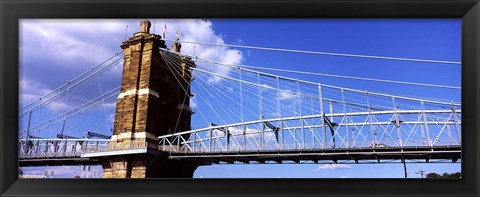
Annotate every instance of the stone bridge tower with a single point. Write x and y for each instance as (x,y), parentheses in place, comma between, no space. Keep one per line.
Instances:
(149,103)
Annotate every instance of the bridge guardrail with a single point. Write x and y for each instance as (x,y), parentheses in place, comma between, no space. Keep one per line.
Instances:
(74,148)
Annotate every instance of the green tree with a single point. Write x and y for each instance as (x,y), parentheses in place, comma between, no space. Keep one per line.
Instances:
(445,175)
(456,175)
(433,175)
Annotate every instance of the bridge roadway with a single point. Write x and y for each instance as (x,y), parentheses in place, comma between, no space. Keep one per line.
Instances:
(341,155)
(92,155)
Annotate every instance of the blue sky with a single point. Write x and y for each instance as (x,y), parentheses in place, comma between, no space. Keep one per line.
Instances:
(66,48)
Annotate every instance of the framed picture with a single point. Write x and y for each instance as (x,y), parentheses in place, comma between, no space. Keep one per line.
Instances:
(341,96)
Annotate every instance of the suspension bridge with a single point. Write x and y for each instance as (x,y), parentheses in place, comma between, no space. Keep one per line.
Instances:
(178,110)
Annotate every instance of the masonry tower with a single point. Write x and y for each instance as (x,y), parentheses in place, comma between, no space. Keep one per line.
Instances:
(153,97)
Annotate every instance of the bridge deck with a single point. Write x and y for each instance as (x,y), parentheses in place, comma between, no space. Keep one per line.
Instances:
(358,155)
(379,155)
(65,161)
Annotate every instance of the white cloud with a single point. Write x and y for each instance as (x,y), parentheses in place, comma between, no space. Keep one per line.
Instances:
(266,86)
(249,131)
(31,90)
(238,137)
(333,167)
(58,106)
(275,114)
(202,31)
(109,105)
(66,170)
(288,94)
(59,171)
(111,118)
(47,45)
(118,67)
(193,103)
(51,47)
(343,176)
(69,41)
(238,41)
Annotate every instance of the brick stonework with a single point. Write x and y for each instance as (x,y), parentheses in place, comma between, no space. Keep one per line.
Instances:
(148,104)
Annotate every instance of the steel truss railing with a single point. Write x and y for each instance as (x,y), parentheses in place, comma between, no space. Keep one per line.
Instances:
(357,130)
(58,148)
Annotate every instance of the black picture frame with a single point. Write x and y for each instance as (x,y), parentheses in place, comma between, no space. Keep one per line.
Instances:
(11,11)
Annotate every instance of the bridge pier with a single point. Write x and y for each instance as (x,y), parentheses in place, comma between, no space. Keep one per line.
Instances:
(146,166)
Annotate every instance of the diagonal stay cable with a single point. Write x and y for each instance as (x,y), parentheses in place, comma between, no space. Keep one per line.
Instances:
(163,57)
(275,89)
(59,94)
(211,107)
(70,81)
(324,85)
(222,104)
(76,110)
(184,97)
(214,88)
(320,52)
(352,77)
